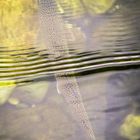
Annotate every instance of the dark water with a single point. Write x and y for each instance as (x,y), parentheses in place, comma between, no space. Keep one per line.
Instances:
(104,57)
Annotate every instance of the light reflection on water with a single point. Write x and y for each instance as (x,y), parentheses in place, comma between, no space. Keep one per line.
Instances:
(105,56)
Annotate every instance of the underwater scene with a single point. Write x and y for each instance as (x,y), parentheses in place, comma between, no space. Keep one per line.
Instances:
(69,70)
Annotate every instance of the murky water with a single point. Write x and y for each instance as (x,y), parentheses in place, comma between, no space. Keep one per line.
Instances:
(78,78)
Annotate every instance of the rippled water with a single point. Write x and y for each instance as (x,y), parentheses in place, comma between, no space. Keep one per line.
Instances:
(88,56)
(93,42)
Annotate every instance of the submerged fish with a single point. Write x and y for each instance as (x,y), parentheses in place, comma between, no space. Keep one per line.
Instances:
(53,36)
(68,87)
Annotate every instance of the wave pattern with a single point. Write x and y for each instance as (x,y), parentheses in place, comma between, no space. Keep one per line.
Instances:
(113,43)
(36,65)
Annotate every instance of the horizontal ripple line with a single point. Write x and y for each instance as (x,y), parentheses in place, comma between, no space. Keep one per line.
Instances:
(85,61)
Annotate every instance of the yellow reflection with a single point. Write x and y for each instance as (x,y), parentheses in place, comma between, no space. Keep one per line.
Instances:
(7,83)
(98,6)
(69,7)
(78,7)
(17,26)
(13,101)
(6,88)
(18,30)
(131,126)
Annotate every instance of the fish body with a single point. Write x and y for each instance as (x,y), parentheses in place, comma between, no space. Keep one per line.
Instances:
(53,32)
